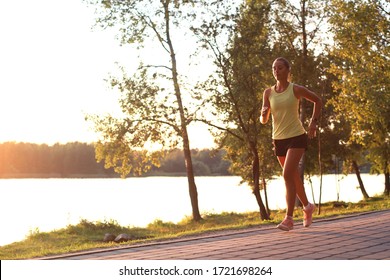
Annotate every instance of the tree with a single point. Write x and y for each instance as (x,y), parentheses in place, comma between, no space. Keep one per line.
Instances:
(299,34)
(152,101)
(298,31)
(237,40)
(363,54)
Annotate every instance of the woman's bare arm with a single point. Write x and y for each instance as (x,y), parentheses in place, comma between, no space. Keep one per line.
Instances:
(266,108)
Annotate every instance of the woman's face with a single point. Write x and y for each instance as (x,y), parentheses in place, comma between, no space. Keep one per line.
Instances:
(280,70)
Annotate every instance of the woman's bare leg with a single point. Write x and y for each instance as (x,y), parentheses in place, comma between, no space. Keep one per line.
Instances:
(300,189)
(294,185)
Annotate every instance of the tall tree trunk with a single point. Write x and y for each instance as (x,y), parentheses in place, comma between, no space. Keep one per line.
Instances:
(303,79)
(320,169)
(266,196)
(183,121)
(387,180)
(361,185)
(256,180)
(191,180)
(301,168)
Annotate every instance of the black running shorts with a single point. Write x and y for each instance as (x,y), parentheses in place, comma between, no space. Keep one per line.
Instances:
(281,146)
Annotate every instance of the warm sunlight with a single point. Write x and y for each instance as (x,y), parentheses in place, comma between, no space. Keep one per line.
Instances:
(52,71)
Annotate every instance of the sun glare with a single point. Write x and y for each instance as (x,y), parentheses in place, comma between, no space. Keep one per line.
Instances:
(53,72)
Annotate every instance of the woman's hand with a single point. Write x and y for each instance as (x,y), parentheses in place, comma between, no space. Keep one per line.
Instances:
(264,111)
(302,92)
(264,114)
(312,129)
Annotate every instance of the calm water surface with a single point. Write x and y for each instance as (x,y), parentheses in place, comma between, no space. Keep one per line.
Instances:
(48,204)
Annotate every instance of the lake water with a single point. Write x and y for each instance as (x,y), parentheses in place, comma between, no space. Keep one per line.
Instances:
(48,204)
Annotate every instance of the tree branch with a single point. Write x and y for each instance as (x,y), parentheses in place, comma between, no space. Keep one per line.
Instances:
(175,127)
(156,66)
(149,22)
(220,128)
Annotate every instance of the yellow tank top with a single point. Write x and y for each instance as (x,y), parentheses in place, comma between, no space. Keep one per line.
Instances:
(285,115)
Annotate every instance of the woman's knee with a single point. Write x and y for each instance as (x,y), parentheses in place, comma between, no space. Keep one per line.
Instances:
(289,175)
(290,172)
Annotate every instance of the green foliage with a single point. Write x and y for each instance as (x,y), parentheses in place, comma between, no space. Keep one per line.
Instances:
(301,35)
(155,112)
(206,162)
(237,85)
(298,34)
(148,120)
(361,54)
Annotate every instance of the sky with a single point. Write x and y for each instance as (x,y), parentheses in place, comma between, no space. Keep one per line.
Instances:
(53,67)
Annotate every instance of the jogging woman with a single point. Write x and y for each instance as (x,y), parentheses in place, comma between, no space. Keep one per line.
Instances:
(289,136)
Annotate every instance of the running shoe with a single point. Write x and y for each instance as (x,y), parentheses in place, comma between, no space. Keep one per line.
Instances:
(287,224)
(308,214)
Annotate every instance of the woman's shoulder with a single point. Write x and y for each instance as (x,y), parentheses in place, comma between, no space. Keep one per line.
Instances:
(298,89)
(303,92)
(268,91)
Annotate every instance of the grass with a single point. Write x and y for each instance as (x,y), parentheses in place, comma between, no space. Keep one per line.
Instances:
(89,235)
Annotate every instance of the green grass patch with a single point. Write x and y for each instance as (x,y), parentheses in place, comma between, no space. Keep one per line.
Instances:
(89,235)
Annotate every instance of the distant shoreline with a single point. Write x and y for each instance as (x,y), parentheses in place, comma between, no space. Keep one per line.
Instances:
(114,176)
(95,176)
